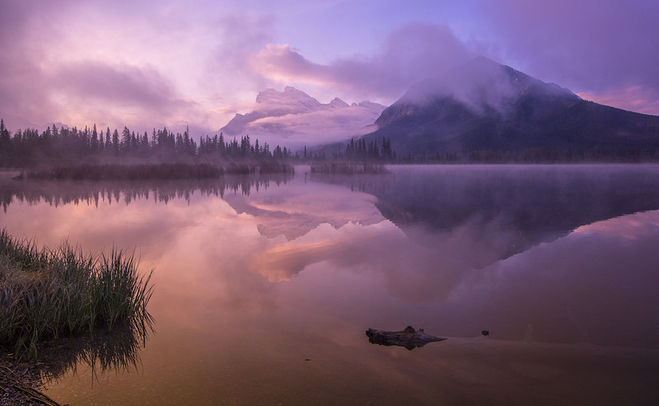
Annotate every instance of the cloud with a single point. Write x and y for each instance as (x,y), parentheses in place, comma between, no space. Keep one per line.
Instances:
(295,119)
(21,83)
(207,60)
(410,54)
(69,62)
(602,49)
(123,94)
(47,78)
(316,127)
(297,130)
(124,85)
(590,46)
(238,38)
(634,98)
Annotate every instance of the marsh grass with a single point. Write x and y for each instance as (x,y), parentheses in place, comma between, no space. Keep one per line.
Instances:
(47,294)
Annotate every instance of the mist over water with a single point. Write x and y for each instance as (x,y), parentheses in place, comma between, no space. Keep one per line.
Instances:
(257,276)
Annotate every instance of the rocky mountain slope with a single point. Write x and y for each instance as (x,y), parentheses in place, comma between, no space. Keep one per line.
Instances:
(484,109)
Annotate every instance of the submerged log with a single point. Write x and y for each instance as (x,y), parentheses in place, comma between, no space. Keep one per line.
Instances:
(408,338)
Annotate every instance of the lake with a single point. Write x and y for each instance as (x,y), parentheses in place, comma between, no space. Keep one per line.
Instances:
(264,287)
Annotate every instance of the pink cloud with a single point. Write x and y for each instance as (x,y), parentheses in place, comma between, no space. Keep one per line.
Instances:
(635,98)
(143,88)
(71,62)
(409,54)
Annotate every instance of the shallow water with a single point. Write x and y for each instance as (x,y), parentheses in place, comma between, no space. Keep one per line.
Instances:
(264,288)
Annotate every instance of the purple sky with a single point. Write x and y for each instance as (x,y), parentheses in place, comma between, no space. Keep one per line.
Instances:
(154,63)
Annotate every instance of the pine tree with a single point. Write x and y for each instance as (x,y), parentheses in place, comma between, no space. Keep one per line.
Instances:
(4,133)
(94,140)
(115,141)
(108,142)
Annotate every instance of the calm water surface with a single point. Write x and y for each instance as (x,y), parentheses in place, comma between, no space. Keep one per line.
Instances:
(264,287)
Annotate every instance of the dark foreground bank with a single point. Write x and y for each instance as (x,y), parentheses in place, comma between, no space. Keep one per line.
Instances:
(48,297)
(46,294)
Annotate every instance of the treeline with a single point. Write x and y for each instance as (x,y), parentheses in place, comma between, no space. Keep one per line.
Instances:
(26,148)
(362,150)
(358,150)
(67,146)
(537,155)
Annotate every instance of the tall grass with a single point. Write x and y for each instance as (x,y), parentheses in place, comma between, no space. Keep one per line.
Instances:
(48,294)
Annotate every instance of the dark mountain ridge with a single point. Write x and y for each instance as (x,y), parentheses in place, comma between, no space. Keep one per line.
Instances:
(483,109)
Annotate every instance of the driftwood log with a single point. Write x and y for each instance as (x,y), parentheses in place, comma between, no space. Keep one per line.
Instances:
(408,338)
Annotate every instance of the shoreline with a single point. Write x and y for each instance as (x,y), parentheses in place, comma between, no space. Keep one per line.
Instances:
(21,383)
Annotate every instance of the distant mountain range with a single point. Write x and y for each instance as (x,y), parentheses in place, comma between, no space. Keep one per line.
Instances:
(483,109)
(293,118)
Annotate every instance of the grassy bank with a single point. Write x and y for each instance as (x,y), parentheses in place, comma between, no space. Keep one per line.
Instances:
(47,294)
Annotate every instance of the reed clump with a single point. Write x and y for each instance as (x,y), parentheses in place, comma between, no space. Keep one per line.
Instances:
(47,294)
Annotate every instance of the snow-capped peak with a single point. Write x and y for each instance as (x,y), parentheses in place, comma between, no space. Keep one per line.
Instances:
(338,103)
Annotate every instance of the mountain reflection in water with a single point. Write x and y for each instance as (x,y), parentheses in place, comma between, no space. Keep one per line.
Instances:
(249,281)
(528,204)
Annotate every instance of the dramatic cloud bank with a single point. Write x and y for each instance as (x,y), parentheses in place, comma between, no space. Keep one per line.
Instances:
(410,54)
(603,50)
(155,63)
(139,64)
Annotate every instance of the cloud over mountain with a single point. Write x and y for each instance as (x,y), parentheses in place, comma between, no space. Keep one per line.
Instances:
(207,59)
(483,108)
(293,118)
(411,53)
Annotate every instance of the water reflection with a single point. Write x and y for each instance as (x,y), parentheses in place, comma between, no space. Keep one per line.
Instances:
(466,239)
(58,193)
(248,286)
(523,205)
(116,350)
(542,253)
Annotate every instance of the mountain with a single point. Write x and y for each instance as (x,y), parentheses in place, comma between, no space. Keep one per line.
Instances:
(293,118)
(483,109)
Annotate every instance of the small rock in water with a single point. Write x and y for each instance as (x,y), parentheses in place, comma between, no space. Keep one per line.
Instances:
(307,359)
(485,332)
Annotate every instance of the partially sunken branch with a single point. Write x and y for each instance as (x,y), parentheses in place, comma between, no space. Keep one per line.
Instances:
(408,338)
